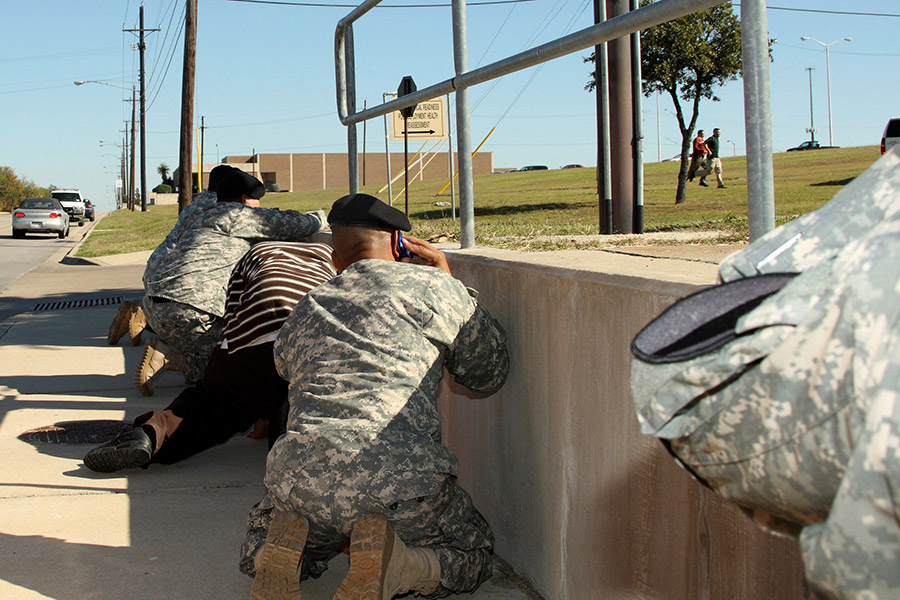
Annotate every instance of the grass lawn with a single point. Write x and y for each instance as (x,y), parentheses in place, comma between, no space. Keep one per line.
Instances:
(540,210)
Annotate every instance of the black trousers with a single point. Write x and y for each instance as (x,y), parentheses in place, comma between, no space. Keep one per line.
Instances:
(236,390)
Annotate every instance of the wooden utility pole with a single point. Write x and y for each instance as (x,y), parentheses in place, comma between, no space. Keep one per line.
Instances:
(141,47)
(131,178)
(185,187)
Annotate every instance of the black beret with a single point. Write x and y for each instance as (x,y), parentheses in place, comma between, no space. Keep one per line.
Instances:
(216,175)
(363,210)
(237,183)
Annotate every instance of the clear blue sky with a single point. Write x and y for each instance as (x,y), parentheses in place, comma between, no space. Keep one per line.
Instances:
(265,81)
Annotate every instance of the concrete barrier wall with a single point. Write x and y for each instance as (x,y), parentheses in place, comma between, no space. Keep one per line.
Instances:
(581,503)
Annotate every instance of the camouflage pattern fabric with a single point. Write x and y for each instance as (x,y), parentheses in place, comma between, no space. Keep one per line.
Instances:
(364,354)
(194,262)
(192,332)
(797,420)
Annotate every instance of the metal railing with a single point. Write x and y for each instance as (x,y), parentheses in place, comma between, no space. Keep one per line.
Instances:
(756,91)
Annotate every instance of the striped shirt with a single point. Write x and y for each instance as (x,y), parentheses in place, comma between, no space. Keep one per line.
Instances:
(266,285)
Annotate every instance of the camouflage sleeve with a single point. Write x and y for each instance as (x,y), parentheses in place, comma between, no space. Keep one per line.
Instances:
(478,358)
(274,224)
(855,553)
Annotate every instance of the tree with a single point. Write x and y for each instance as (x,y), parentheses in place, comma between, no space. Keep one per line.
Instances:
(163,170)
(688,58)
(12,190)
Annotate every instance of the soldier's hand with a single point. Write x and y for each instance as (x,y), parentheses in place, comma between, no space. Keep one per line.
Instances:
(425,253)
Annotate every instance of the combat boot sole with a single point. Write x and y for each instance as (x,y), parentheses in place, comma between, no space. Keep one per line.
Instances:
(371,546)
(129,450)
(278,572)
(136,324)
(119,325)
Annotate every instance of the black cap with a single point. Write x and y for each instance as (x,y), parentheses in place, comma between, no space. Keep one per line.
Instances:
(237,183)
(217,175)
(363,210)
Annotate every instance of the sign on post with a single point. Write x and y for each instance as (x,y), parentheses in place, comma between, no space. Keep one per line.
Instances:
(427,122)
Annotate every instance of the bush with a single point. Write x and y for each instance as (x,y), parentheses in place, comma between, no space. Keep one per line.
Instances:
(274,187)
(163,188)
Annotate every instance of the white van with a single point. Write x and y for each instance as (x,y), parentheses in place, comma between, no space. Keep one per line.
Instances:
(891,134)
(72,202)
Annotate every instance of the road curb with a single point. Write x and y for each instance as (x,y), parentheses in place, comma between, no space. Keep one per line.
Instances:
(71,259)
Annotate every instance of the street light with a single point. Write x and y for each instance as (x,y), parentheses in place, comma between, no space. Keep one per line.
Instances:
(733,147)
(827,77)
(122,87)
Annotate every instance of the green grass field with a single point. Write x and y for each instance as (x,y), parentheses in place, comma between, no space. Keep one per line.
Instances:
(541,210)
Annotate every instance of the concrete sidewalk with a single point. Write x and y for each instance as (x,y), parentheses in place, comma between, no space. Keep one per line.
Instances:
(71,534)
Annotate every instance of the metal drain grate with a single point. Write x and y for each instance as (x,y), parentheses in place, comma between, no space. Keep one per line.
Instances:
(76,432)
(86,303)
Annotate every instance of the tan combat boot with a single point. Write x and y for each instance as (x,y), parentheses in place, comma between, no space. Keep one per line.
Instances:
(278,563)
(136,324)
(119,325)
(381,566)
(158,357)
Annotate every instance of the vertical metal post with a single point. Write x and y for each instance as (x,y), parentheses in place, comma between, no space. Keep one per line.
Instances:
(812,127)
(352,156)
(463,130)
(604,168)
(828,84)
(387,152)
(757,118)
(450,171)
(637,94)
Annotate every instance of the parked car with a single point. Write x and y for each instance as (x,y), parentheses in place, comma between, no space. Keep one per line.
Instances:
(811,145)
(534,168)
(40,215)
(88,210)
(72,202)
(891,134)
(572,166)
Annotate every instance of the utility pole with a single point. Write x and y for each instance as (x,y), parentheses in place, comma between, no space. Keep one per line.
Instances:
(187,105)
(141,48)
(131,178)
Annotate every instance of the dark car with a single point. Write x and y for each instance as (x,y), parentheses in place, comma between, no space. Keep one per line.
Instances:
(572,166)
(891,135)
(88,210)
(40,215)
(534,168)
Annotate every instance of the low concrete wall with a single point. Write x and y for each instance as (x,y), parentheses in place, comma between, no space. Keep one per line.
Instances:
(581,503)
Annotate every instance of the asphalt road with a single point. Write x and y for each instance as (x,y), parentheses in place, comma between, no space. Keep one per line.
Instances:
(22,255)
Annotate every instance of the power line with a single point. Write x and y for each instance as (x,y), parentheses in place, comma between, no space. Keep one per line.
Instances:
(828,12)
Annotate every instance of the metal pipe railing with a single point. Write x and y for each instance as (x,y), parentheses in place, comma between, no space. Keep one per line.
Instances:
(756,89)
(757,118)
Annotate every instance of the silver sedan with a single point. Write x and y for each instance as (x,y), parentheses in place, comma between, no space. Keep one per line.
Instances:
(40,215)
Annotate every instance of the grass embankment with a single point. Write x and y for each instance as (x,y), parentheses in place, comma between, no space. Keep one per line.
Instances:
(543,209)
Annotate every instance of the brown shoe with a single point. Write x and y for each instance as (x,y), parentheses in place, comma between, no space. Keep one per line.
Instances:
(158,357)
(278,563)
(119,325)
(381,566)
(136,324)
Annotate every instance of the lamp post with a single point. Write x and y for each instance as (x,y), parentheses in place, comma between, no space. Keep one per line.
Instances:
(812,128)
(827,77)
(733,147)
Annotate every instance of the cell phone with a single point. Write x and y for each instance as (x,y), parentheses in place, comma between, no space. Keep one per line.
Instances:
(401,248)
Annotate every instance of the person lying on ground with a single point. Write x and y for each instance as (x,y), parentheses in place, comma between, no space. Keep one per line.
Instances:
(240,385)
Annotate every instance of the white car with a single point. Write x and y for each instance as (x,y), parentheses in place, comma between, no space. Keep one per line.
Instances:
(73,203)
(891,134)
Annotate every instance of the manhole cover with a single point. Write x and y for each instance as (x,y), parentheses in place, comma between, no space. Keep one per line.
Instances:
(76,432)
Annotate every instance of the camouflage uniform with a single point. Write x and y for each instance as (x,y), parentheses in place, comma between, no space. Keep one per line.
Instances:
(363,355)
(797,419)
(186,276)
